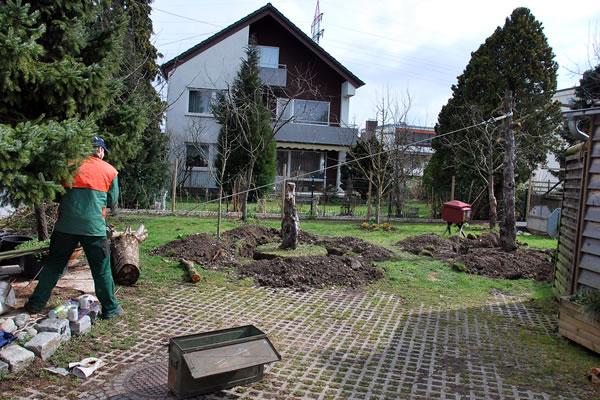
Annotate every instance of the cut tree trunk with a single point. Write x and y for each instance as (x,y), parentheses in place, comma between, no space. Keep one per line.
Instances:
(290,226)
(508,230)
(41,223)
(125,255)
(191,269)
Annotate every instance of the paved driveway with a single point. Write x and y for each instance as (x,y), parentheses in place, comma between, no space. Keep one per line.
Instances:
(341,344)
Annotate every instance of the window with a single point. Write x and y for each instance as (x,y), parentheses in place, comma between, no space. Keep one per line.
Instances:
(304,111)
(200,100)
(196,155)
(268,57)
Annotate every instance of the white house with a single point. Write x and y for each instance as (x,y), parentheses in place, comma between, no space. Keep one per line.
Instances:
(311,145)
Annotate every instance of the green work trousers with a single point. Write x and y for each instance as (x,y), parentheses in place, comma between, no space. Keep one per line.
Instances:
(97,252)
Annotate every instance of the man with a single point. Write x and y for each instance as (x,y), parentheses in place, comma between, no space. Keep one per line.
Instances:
(81,218)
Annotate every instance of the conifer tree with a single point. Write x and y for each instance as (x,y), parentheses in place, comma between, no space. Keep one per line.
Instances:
(132,122)
(55,79)
(516,57)
(245,119)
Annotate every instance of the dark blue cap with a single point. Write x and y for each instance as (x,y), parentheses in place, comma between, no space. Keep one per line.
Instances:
(99,142)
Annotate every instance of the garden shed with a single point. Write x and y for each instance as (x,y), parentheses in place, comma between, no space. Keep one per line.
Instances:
(578,264)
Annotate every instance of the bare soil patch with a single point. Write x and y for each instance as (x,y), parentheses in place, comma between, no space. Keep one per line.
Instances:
(482,255)
(348,261)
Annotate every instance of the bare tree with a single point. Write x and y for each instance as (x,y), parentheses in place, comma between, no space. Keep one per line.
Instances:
(484,146)
(379,152)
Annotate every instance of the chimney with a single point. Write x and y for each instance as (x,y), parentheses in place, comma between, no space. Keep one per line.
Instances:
(370,127)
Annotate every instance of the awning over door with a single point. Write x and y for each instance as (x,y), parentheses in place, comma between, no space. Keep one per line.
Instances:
(310,146)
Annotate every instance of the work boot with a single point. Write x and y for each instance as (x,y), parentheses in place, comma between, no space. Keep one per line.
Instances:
(115,314)
(30,309)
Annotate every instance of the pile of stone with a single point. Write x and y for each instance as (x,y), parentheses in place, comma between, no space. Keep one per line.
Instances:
(40,337)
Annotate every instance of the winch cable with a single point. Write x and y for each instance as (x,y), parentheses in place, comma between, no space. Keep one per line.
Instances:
(488,121)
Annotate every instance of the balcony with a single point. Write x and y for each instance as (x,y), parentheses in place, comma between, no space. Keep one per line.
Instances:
(273,76)
(323,137)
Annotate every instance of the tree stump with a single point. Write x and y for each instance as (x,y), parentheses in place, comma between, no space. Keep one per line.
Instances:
(291,223)
(125,255)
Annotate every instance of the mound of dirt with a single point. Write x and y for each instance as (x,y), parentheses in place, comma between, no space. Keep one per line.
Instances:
(482,255)
(201,248)
(248,237)
(346,245)
(348,260)
(315,272)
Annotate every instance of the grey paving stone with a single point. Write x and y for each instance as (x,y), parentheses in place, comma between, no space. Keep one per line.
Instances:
(17,357)
(82,326)
(44,344)
(58,325)
(3,367)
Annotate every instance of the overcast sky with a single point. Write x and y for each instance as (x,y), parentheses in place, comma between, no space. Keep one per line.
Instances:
(419,46)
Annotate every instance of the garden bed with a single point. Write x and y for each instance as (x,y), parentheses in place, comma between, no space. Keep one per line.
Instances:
(574,324)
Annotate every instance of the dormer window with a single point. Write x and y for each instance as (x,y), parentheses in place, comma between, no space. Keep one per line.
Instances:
(268,56)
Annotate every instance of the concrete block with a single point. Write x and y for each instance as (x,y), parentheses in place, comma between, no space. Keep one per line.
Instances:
(57,325)
(3,368)
(82,326)
(21,319)
(44,344)
(17,357)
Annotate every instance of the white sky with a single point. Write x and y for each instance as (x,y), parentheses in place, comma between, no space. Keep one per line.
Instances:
(419,46)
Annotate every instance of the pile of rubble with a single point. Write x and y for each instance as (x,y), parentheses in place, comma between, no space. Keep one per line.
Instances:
(23,338)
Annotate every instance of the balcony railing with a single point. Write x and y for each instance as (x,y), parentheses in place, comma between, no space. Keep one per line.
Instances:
(273,76)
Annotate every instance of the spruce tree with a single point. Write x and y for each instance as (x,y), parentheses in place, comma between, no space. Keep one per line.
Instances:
(516,57)
(245,119)
(56,67)
(132,122)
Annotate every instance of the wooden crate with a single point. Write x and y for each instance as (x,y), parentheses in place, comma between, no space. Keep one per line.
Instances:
(575,325)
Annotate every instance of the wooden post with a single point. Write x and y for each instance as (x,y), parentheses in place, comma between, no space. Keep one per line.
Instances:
(528,200)
(174,187)
(283,184)
(369,209)
(452,190)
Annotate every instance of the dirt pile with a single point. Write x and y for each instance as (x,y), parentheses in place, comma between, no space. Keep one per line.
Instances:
(482,255)
(316,272)
(203,249)
(348,262)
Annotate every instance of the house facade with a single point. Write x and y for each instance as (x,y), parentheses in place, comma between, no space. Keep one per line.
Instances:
(309,97)
(411,143)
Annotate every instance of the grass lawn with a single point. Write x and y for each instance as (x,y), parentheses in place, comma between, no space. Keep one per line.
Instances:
(420,282)
(418,279)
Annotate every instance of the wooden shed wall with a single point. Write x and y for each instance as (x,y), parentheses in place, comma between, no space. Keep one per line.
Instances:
(588,271)
(578,264)
(567,236)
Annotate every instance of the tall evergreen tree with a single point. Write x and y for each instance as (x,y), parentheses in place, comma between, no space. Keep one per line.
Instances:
(516,57)
(588,91)
(245,119)
(55,79)
(132,122)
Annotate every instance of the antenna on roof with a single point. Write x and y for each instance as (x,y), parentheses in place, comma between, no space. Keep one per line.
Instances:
(315,28)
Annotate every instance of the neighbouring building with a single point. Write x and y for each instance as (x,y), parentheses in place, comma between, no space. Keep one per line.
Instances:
(545,175)
(311,88)
(411,143)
